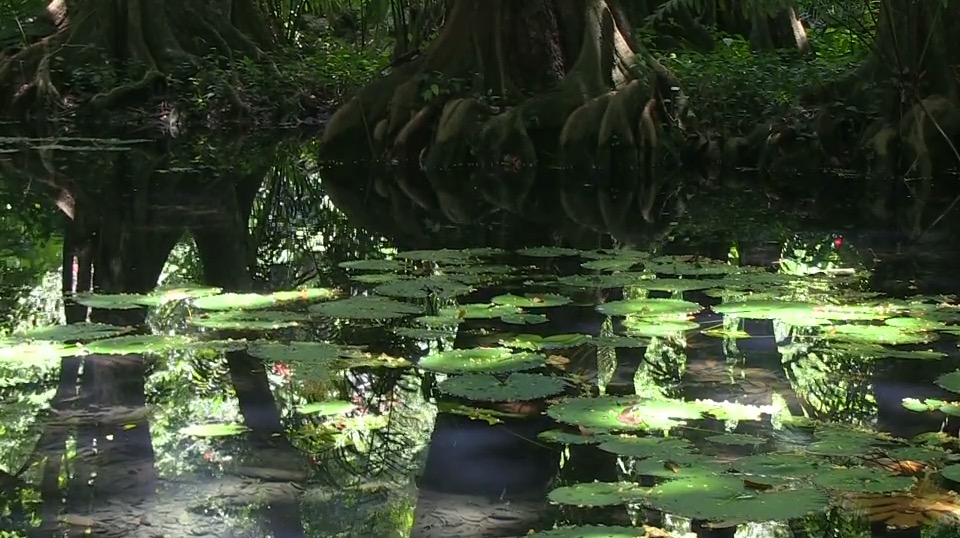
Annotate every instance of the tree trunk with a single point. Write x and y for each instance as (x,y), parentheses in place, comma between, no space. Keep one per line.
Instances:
(511,84)
(136,43)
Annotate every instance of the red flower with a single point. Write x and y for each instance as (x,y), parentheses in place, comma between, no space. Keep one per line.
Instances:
(838,242)
(282,370)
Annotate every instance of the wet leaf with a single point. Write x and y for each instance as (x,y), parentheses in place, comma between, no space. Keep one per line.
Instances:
(516,387)
(598,494)
(365,308)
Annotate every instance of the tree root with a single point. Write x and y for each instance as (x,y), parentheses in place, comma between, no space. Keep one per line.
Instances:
(153,45)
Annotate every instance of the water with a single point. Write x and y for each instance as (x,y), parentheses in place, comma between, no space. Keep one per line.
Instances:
(309,422)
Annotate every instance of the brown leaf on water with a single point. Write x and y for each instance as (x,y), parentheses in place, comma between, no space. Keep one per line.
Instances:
(905,511)
(759,486)
(903,467)
(671,466)
(558,361)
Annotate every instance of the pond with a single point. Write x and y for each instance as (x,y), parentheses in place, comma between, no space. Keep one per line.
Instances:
(224,337)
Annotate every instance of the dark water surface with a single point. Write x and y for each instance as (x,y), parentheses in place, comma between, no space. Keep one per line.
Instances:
(304,416)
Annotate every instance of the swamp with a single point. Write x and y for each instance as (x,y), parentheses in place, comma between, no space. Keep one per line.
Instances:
(480,268)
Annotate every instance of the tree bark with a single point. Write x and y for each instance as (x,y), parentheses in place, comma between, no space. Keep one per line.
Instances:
(512,84)
(138,43)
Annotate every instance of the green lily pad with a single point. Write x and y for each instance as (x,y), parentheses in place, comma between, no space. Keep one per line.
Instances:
(306,294)
(301,351)
(651,327)
(590,531)
(214,430)
(950,381)
(561,437)
(235,301)
(610,264)
(649,308)
(517,387)
(951,472)
(863,480)
(646,447)
(447,256)
(241,320)
(128,345)
(797,310)
(726,499)
(425,333)
(36,353)
(537,342)
(918,453)
(480,360)
(75,332)
(916,324)
(373,265)
(548,252)
(780,464)
(524,319)
(546,300)
(420,288)
(478,311)
(610,413)
(598,494)
(878,351)
(737,439)
(170,294)
(365,308)
(678,284)
(327,409)
(378,278)
(604,281)
(876,334)
(110,301)
(844,443)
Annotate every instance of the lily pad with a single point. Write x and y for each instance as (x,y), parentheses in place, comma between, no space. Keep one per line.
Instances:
(109,301)
(214,430)
(480,360)
(844,443)
(516,387)
(169,294)
(446,256)
(863,480)
(610,264)
(568,438)
(727,499)
(646,447)
(797,310)
(951,472)
(365,308)
(537,342)
(235,301)
(652,327)
(590,531)
(598,494)
(612,413)
(737,439)
(301,351)
(373,265)
(421,288)
(780,464)
(546,300)
(425,333)
(950,381)
(916,324)
(478,311)
(604,281)
(524,319)
(649,308)
(877,334)
(327,409)
(36,353)
(548,252)
(128,345)
(240,320)
(74,332)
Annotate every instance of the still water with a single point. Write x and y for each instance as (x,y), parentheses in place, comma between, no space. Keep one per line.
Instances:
(223,337)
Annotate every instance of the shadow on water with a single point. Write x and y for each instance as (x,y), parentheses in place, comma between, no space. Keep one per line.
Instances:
(129,411)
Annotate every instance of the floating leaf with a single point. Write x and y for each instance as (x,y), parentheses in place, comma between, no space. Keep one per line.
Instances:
(609,413)
(486,360)
(646,447)
(649,308)
(548,252)
(75,332)
(736,439)
(591,531)
(568,438)
(727,499)
(214,430)
(241,320)
(605,281)
(863,480)
(547,300)
(610,264)
(780,464)
(327,409)
(844,443)
(516,387)
(128,345)
(107,301)
(421,288)
(651,327)
(598,494)
(876,334)
(478,311)
(39,353)
(374,265)
(447,256)
(165,295)
(798,311)
(524,319)
(365,308)
(537,342)
(423,333)
(235,301)
(950,381)
(301,352)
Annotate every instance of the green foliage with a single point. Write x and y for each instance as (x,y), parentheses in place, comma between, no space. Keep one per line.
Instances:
(736,88)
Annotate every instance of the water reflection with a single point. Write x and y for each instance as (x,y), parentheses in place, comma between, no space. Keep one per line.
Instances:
(117,216)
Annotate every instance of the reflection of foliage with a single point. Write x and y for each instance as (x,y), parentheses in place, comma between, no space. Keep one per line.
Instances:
(294,222)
